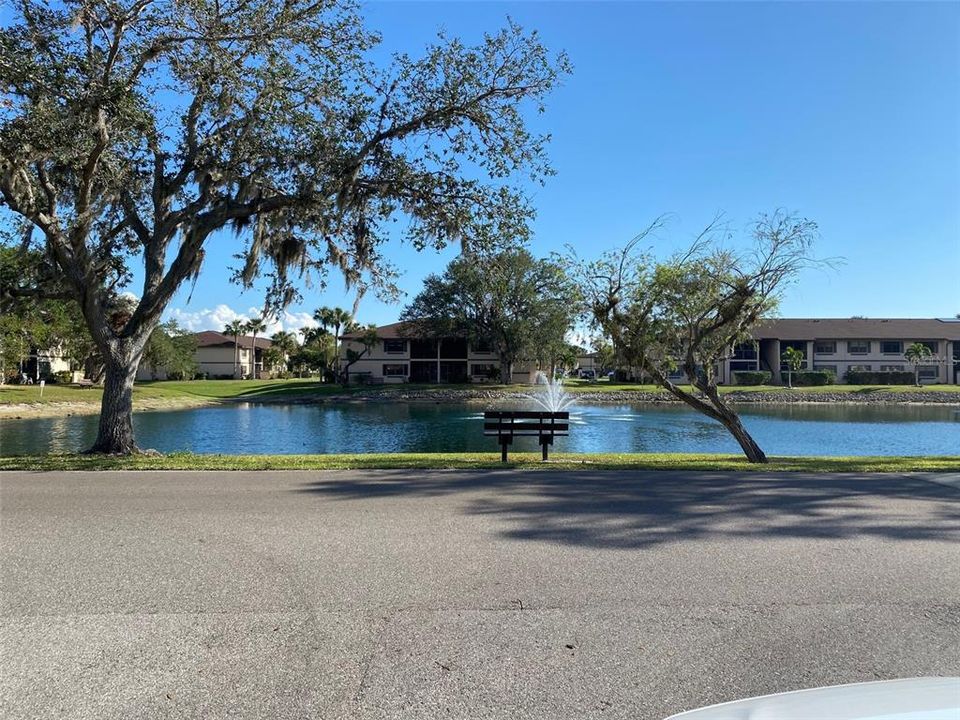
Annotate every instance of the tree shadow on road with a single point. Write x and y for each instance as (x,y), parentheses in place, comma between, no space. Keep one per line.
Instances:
(641,509)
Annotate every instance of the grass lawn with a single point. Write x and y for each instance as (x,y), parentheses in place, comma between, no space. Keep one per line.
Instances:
(479,461)
(604,386)
(172,389)
(310,387)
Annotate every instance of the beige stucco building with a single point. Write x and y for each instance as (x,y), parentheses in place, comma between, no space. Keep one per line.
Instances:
(215,357)
(398,357)
(841,345)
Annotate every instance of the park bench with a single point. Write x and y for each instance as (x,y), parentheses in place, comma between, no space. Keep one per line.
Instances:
(542,424)
(85,383)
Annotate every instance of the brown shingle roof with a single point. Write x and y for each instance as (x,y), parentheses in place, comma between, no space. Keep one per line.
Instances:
(807,329)
(393,330)
(209,338)
(857,328)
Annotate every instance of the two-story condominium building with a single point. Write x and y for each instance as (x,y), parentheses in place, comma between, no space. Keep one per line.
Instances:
(841,345)
(398,356)
(220,356)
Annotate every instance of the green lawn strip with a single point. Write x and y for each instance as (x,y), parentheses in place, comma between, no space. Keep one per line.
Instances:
(578,386)
(172,390)
(479,461)
(266,390)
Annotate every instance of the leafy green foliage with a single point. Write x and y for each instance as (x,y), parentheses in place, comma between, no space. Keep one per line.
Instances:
(367,336)
(793,359)
(688,311)
(880,377)
(751,377)
(806,378)
(132,131)
(30,320)
(171,350)
(917,354)
(131,127)
(519,304)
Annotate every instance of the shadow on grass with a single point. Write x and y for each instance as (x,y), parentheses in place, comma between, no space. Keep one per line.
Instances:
(308,390)
(637,510)
(290,391)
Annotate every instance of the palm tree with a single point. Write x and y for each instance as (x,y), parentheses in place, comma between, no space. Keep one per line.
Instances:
(235,329)
(254,326)
(915,355)
(338,319)
(324,317)
(794,361)
(285,343)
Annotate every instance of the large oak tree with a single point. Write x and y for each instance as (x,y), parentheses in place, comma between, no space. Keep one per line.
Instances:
(133,131)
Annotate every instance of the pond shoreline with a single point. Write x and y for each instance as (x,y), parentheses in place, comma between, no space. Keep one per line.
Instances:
(764,397)
(479,396)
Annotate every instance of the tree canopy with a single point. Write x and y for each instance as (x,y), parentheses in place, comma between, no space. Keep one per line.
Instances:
(133,131)
(514,301)
(687,312)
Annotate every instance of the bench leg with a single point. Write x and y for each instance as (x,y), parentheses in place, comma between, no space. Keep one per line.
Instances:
(545,442)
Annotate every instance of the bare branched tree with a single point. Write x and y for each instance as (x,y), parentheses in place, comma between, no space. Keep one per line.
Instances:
(689,311)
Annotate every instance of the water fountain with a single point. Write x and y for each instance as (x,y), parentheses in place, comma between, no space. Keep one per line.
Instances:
(552,397)
(551,420)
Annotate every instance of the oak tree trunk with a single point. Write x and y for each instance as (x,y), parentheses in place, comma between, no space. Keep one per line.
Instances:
(506,370)
(115,431)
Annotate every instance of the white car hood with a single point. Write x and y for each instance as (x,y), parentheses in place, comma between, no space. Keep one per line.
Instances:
(933,698)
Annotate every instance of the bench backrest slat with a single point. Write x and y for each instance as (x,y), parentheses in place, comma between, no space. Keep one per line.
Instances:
(508,424)
(534,426)
(526,415)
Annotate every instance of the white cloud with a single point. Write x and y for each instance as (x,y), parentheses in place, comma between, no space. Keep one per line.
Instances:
(218,317)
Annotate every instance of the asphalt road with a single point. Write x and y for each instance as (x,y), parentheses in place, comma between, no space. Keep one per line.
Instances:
(464,595)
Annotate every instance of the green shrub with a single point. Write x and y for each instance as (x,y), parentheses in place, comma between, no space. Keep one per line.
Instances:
(873,377)
(814,377)
(63,377)
(751,377)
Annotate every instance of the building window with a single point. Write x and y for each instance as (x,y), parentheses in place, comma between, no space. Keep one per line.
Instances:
(932,344)
(825,347)
(487,370)
(929,372)
(826,368)
(744,351)
(482,346)
(858,347)
(891,347)
(891,368)
(861,368)
(398,370)
(394,346)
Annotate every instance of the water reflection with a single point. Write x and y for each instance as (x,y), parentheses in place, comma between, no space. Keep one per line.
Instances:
(427,427)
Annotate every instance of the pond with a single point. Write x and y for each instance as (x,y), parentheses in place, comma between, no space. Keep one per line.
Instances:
(426,427)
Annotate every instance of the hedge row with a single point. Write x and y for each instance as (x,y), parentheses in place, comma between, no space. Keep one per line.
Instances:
(814,377)
(800,377)
(873,377)
(751,377)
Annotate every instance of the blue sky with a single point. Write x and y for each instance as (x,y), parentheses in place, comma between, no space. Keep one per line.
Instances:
(846,113)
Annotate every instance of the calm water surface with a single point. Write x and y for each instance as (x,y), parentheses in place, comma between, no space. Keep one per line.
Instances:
(423,427)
